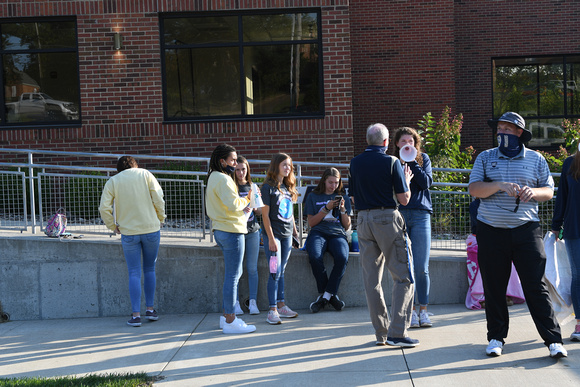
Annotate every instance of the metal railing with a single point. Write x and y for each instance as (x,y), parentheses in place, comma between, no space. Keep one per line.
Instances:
(31,191)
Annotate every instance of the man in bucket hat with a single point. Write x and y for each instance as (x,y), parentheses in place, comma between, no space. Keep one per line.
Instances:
(510,180)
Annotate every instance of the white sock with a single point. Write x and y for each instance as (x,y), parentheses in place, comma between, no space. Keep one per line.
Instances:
(327,296)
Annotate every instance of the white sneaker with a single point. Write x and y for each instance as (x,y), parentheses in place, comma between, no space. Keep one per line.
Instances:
(424,320)
(254,307)
(222,321)
(414,320)
(239,310)
(494,348)
(273,317)
(238,326)
(557,350)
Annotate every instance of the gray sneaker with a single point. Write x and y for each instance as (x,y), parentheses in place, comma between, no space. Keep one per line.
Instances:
(285,311)
(414,320)
(273,318)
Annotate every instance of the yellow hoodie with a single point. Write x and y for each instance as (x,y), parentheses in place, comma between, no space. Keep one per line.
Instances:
(224,205)
(138,201)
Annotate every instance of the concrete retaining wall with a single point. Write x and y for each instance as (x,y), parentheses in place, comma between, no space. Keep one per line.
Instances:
(43,278)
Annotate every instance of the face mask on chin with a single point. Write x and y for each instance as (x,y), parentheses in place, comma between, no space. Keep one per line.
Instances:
(229,169)
(509,144)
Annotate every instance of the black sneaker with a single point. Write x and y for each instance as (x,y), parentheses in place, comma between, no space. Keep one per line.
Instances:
(402,342)
(134,322)
(151,315)
(318,305)
(336,302)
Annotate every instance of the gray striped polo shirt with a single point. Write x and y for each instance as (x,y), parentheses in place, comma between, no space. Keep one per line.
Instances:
(527,168)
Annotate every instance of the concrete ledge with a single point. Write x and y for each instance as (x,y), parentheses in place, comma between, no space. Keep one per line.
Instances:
(43,278)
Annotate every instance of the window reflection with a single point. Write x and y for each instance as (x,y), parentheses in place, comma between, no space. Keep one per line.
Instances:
(39,87)
(272,69)
(543,90)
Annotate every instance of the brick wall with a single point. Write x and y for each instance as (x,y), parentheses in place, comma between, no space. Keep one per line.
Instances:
(384,61)
(486,29)
(412,57)
(121,92)
(403,62)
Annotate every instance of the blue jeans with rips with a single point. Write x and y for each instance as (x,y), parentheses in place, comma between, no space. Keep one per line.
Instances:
(232,245)
(276,284)
(418,224)
(316,245)
(135,246)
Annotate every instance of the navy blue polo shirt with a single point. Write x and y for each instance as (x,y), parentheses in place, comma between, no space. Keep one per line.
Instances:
(371,183)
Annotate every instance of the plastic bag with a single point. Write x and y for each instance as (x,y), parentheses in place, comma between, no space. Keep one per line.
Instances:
(558,277)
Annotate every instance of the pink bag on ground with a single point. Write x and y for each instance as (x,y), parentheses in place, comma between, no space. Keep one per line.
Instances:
(475,290)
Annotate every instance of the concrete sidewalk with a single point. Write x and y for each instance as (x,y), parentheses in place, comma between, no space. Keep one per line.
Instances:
(329,348)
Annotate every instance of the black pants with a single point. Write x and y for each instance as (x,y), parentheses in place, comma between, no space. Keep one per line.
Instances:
(497,248)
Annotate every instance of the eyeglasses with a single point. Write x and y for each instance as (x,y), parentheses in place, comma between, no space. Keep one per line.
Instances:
(515,209)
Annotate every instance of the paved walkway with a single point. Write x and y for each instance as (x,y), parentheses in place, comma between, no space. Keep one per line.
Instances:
(327,348)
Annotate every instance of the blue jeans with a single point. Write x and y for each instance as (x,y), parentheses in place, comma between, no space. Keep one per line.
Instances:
(133,247)
(316,244)
(573,249)
(252,253)
(419,229)
(276,285)
(232,245)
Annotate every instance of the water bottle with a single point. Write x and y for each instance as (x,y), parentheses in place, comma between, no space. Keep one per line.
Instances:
(273,264)
(354,242)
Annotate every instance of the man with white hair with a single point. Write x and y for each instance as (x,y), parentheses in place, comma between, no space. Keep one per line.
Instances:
(378,183)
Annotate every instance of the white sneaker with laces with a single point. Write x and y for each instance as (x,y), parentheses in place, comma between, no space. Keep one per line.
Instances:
(424,320)
(414,320)
(222,321)
(238,326)
(254,307)
(239,310)
(557,350)
(494,348)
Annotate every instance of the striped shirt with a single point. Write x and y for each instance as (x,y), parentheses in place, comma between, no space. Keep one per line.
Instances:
(527,168)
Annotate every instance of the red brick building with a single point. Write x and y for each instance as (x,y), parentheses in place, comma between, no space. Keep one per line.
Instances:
(351,63)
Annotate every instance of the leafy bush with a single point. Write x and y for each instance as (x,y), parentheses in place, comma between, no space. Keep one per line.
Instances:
(442,142)
(572,139)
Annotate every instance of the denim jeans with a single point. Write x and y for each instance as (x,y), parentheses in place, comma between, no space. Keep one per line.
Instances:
(134,246)
(419,229)
(232,245)
(252,253)
(316,245)
(573,249)
(276,285)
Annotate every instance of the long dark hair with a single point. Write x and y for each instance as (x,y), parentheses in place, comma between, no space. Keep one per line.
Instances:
(274,171)
(575,166)
(416,138)
(321,187)
(242,160)
(220,152)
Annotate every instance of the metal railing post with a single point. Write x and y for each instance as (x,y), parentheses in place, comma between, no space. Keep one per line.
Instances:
(300,214)
(31,178)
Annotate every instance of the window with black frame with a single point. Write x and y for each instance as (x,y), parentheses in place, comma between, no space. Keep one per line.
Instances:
(39,72)
(241,65)
(544,90)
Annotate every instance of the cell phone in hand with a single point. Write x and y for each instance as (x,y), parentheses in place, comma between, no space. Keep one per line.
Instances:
(338,197)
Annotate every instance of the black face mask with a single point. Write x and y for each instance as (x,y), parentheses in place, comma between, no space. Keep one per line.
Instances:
(229,169)
(509,144)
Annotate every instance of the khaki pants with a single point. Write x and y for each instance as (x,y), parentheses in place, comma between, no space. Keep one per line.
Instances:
(382,242)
